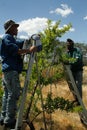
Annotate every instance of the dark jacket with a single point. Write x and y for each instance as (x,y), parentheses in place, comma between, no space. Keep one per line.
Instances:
(11,60)
(78,64)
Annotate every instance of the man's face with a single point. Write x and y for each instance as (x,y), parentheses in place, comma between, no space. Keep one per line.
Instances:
(14,30)
(69,45)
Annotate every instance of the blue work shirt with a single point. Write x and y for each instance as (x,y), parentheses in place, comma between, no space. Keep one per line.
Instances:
(11,60)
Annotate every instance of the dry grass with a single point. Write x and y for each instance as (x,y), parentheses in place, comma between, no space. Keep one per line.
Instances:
(61,120)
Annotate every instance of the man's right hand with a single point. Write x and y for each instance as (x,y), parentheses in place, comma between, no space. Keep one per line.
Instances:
(32,49)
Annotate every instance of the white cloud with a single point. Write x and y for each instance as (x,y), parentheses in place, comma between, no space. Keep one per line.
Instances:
(85,18)
(32,26)
(23,37)
(64,11)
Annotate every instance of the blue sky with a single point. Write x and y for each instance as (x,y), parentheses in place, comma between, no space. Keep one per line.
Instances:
(33,14)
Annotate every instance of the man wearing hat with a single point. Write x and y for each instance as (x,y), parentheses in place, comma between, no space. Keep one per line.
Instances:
(76,66)
(11,50)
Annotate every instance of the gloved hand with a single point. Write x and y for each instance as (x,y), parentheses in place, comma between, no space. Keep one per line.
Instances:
(39,48)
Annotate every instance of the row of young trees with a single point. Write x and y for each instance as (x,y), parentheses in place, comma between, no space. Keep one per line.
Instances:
(47,71)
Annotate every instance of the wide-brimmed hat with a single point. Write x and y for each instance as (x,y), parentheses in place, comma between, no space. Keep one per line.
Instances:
(8,24)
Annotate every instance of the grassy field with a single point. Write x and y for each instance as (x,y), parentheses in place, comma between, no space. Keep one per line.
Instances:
(61,120)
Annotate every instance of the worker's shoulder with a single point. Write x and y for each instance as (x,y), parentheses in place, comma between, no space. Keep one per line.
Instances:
(77,49)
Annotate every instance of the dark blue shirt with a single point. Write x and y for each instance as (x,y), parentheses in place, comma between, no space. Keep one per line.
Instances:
(11,60)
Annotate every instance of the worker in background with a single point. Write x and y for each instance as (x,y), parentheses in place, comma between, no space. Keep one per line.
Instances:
(76,66)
